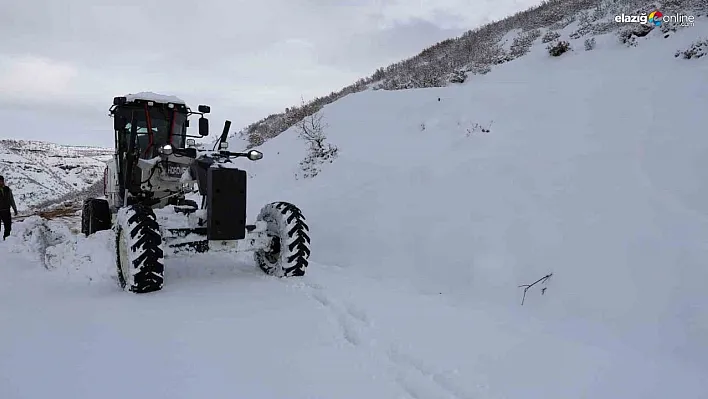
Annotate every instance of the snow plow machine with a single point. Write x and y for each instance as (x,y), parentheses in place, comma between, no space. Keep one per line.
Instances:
(147,188)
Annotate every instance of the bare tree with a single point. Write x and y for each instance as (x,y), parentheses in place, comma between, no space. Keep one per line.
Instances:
(312,130)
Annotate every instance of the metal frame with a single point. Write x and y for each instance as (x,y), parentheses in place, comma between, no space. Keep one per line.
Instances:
(257,238)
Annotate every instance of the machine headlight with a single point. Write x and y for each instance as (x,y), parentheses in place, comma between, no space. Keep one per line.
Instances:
(166,149)
(255,155)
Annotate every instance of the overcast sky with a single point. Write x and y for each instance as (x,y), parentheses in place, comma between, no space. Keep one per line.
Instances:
(63,61)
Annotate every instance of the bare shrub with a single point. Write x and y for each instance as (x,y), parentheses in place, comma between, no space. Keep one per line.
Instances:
(697,50)
(558,48)
(319,151)
(550,36)
(589,44)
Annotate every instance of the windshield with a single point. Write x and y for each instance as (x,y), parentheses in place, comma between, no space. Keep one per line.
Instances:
(159,124)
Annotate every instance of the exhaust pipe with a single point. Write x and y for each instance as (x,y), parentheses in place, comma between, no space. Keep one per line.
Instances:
(227,126)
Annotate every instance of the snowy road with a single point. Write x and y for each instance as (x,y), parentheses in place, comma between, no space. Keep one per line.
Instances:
(222,329)
(224,332)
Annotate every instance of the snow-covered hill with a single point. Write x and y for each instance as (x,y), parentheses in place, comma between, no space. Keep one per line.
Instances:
(40,171)
(440,203)
(483,49)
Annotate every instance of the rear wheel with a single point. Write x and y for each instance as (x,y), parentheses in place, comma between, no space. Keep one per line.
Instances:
(288,255)
(95,216)
(139,253)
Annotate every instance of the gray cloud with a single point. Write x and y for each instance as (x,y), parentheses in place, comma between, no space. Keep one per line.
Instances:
(61,62)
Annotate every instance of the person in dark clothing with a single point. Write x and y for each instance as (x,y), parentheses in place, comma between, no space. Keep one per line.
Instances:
(7,201)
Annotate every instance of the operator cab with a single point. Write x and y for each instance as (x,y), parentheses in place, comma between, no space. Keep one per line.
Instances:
(154,121)
(159,120)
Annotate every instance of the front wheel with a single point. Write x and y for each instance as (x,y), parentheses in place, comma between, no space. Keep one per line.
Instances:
(139,253)
(290,249)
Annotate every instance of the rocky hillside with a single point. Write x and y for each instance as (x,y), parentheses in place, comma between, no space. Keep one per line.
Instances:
(39,171)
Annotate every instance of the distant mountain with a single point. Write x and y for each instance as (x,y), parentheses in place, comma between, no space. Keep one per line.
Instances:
(39,171)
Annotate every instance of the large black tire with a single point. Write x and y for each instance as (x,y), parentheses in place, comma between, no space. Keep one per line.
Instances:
(289,253)
(95,216)
(139,252)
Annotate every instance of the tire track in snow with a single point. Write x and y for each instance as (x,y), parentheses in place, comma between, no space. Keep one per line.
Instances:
(349,331)
(404,360)
(413,376)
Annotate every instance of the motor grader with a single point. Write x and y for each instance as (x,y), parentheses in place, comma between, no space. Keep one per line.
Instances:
(162,190)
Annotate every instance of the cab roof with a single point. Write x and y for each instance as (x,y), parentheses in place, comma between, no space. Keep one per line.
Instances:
(150,96)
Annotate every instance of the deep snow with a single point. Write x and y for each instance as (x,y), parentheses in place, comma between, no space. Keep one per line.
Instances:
(422,230)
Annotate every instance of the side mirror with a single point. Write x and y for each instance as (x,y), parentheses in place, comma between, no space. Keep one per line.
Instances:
(203,127)
(223,145)
(255,155)
(204,109)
